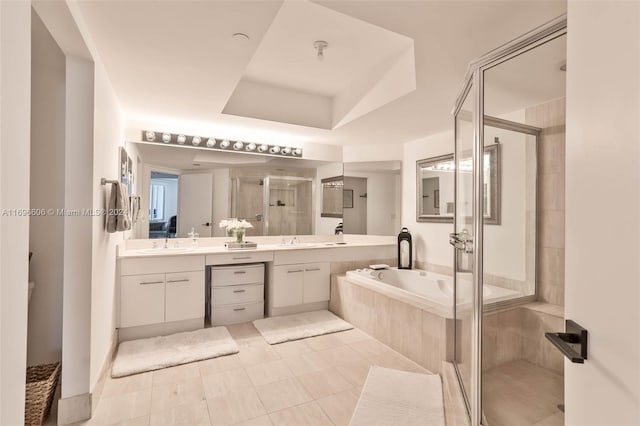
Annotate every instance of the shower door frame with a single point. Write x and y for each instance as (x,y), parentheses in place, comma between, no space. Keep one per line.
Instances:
(266,195)
(473,85)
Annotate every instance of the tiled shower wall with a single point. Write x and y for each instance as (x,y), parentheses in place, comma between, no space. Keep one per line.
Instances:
(550,116)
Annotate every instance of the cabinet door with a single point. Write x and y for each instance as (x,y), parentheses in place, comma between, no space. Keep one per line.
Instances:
(316,282)
(141,300)
(288,285)
(185,296)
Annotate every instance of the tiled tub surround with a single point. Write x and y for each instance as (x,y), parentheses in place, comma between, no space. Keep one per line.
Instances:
(427,338)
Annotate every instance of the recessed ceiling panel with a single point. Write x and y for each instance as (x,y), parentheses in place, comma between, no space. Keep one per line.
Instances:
(362,67)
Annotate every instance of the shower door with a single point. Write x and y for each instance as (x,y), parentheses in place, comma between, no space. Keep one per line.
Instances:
(288,205)
(464,239)
(247,202)
(475,273)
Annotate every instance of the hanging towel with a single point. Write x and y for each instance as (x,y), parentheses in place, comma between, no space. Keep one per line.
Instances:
(135,209)
(118,214)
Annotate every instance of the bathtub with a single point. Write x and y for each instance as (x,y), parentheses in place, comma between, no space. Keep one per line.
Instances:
(427,290)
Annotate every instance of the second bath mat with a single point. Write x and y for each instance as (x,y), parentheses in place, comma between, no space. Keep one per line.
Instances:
(299,326)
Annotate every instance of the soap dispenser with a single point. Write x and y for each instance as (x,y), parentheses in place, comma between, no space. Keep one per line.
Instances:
(194,237)
(405,250)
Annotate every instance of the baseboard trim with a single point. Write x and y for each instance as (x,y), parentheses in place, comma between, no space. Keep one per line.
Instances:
(96,392)
(74,409)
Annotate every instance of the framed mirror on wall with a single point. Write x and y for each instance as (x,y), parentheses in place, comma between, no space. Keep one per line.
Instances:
(435,179)
(332,196)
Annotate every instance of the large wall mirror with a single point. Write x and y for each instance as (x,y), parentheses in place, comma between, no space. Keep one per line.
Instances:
(435,186)
(372,197)
(182,189)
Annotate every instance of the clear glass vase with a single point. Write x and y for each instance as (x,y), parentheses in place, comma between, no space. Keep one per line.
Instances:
(240,235)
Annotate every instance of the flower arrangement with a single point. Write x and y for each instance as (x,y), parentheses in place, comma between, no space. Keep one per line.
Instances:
(237,227)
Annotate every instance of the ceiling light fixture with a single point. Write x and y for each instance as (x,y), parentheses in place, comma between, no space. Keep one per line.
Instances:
(320,45)
(213,144)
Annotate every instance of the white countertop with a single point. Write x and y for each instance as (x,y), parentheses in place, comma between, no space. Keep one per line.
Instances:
(206,246)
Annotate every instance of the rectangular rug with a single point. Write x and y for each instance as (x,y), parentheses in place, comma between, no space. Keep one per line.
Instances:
(299,326)
(393,397)
(138,356)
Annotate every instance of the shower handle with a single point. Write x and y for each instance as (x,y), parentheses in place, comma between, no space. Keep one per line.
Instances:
(462,241)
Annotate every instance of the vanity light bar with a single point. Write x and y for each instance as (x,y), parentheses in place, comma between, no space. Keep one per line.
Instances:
(163,138)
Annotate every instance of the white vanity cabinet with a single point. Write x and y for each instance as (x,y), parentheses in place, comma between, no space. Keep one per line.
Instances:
(299,281)
(298,284)
(141,300)
(160,295)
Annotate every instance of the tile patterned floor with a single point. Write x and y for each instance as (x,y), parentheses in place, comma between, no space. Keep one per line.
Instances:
(315,381)
(522,394)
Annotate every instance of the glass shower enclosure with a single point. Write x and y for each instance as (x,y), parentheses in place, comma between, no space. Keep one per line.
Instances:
(495,221)
(274,205)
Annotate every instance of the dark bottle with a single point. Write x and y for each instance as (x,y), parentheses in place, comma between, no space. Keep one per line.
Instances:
(405,249)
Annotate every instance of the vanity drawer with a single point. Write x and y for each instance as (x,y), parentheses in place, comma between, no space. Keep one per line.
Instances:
(234,275)
(160,264)
(233,295)
(239,257)
(235,314)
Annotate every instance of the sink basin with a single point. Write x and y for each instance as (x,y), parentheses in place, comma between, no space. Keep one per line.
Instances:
(298,245)
(173,250)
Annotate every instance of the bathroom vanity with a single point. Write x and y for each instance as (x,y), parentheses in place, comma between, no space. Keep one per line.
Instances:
(162,291)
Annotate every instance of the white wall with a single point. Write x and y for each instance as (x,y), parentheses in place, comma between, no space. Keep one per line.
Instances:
(430,240)
(505,247)
(108,135)
(15,87)
(46,232)
(325,225)
(78,153)
(221,200)
(602,278)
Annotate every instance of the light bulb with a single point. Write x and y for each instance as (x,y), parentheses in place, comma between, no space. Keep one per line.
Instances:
(225,144)
(274,149)
(151,136)
(297,151)
(286,150)
(211,142)
(251,147)
(195,141)
(238,145)
(263,148)
(182,139)
(166,137)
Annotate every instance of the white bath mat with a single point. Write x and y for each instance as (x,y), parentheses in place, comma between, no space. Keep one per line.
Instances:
(142,355)
(393,397)
(299,326)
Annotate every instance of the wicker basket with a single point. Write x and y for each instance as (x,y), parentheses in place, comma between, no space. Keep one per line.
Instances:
(41,386)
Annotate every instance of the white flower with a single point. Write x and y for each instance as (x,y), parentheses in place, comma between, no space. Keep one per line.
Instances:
(233,224)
